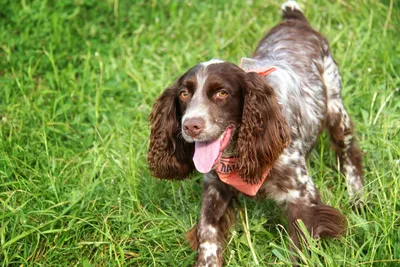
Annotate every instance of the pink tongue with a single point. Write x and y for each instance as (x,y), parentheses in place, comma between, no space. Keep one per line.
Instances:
(205,155)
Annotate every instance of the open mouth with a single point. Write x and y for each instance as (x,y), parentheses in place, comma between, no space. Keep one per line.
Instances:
(208,153)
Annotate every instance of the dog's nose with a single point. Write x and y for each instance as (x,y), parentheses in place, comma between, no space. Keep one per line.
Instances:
(193,126)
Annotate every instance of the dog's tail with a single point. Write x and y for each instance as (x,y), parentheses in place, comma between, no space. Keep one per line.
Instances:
(292,10)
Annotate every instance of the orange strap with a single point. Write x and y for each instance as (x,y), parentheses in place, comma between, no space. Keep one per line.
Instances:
(262,71)
(266,72)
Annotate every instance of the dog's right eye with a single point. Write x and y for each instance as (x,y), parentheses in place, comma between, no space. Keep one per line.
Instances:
(184,94)
(221,94)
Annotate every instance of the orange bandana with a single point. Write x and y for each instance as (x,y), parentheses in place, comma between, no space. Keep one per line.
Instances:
(227,171)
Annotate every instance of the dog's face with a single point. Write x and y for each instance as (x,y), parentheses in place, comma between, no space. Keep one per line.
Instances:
(211,101)
(196,118)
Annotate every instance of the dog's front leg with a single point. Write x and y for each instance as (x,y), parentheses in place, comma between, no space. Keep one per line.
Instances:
(216,216)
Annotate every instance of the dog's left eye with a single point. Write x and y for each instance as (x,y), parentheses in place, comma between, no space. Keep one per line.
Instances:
(184,94)
(221,94)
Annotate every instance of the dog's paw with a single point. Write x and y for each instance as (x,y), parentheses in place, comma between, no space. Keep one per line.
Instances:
(357,204)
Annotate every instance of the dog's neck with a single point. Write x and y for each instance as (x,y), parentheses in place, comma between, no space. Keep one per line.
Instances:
(231,150)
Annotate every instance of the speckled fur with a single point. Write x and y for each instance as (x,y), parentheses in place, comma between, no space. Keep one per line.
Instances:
(303,96)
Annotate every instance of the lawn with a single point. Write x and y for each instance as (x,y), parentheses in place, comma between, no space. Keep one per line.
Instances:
(77,81)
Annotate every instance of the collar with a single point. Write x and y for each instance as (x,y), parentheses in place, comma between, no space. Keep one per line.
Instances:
(227,171)
(252,65)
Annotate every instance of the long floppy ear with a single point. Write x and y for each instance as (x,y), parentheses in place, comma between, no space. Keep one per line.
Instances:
(169,156)
(263,133)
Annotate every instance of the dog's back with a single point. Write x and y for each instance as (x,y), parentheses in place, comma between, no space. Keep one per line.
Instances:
(301,55)
(308,85)
(293,40)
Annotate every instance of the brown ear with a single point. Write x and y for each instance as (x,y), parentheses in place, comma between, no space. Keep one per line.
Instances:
(169,156)
(263,133)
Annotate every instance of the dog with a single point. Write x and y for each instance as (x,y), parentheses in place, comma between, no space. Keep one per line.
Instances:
(250,128)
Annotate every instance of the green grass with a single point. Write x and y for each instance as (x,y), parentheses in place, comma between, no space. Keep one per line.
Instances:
(77,81)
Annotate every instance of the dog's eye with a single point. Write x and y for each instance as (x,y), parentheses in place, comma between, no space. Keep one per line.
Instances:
(184,94)
(221,94)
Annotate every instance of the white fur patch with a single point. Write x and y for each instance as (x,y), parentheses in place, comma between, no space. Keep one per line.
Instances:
(212,61)
(350,178)
(293,195)
(298,145)
(292,5)
(201,77)
(332,80)
(283,197)
(334,105)
(209,249)
(199,109)
(212,229)
(347,141)
(287,158)
(353,181)
(345,122)
(303,178)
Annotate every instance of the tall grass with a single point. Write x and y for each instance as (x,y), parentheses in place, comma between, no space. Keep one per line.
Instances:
(77,81)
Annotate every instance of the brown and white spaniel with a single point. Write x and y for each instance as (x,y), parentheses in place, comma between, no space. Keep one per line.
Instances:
(249,129)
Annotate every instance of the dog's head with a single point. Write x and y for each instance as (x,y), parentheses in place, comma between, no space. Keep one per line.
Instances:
(212,107)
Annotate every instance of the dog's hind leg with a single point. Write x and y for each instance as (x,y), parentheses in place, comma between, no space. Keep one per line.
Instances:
(291,186)
(341,132)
